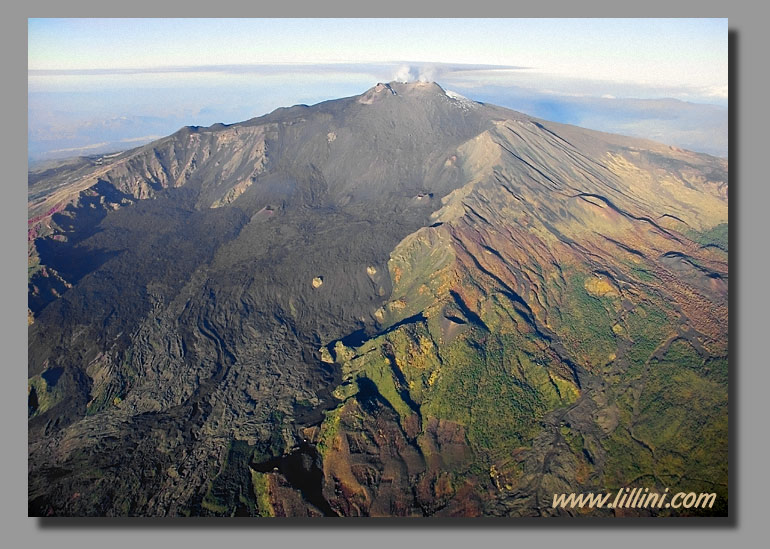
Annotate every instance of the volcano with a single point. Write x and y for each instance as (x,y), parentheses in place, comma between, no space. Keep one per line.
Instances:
(402,303)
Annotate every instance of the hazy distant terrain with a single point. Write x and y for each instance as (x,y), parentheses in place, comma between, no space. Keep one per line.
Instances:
(697,127)
(96,112)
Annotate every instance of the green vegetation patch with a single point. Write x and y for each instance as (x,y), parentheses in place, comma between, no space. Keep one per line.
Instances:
(231,492)
(498,388)
(42,395)
(497,385)
(627,459)
(329,429)
(648,326)
(716,236)
(585,322)
(683,416)
(260,484)
(675,428)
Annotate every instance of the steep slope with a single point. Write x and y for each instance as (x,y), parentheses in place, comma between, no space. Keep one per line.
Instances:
(503,307)
(557,326)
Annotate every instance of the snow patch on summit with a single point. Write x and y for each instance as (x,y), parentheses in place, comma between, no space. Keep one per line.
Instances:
(460,100)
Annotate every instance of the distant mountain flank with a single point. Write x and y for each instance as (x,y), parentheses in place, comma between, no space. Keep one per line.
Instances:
(401,303)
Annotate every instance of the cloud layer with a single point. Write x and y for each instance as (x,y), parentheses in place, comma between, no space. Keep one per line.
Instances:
(71,109)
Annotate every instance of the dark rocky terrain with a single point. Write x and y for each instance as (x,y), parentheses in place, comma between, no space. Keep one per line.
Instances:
(399,303)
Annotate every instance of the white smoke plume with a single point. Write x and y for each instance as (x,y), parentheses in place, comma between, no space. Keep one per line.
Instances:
(427,73)
(404,74)
(412,73)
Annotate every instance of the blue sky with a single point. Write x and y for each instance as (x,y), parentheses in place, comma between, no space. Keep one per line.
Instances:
(673,52)
(93,81)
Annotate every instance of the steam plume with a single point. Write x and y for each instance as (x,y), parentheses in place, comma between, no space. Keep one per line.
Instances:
(413,73)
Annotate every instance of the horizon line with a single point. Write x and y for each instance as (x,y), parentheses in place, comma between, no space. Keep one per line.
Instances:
(258,65)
